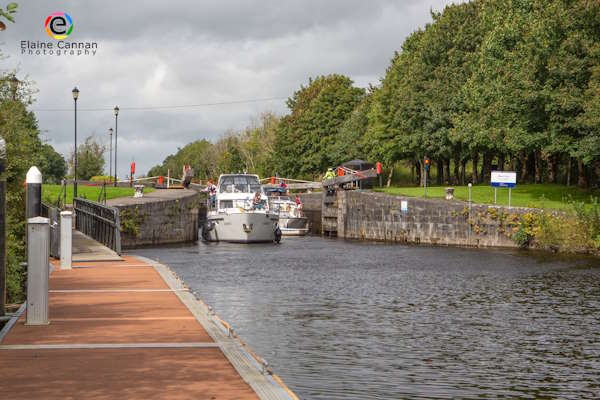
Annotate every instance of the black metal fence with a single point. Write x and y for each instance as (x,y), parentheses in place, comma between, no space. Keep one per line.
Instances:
(53,214)
(99,222)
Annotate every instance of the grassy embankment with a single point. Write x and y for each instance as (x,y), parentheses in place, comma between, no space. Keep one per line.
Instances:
(546,196)
(50,192)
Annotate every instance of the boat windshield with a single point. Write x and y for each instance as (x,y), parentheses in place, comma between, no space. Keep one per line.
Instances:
(239,184)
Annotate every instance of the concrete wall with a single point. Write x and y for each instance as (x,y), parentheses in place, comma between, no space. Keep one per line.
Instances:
(378,216)
(162,221)
(311,206)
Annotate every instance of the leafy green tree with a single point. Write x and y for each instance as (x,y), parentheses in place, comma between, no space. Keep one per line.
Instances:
(90,159)
(306,137)
(11,9)
(19,129)
(51,164)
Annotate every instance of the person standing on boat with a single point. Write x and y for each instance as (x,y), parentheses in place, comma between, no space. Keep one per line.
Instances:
(299,205)
(212,193)
(257,202)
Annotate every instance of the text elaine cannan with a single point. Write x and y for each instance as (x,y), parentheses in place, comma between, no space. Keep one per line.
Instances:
(61,48)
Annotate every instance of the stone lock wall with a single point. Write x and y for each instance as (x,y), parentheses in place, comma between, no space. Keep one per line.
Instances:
(161,222)
(378,216)
(311,206)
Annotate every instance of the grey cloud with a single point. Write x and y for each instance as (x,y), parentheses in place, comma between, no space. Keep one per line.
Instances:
(189,52)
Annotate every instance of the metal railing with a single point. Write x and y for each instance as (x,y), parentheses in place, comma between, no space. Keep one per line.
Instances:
(53,214)
(99,222)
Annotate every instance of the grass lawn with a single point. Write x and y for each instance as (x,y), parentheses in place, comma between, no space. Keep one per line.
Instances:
(50,192)
(538,196)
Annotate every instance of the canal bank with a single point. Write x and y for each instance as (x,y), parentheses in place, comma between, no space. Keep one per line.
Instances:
(165,216)
(366,215)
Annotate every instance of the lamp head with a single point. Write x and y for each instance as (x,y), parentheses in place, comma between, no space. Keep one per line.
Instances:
(116,110)
(75,93)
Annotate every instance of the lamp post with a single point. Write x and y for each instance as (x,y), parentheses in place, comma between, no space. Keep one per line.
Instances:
(75,96)
(110,131)
(116,138)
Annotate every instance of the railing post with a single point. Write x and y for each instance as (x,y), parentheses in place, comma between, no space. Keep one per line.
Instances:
(38,233)
(66,239)
(117,231)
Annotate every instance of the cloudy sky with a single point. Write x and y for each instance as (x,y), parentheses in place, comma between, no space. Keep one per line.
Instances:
(170,53)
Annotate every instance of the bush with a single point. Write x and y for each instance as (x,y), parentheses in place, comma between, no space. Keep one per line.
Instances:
(575,231)
(101,178)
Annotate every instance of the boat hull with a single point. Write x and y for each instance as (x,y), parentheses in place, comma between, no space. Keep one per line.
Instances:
(241,228)
(293,226)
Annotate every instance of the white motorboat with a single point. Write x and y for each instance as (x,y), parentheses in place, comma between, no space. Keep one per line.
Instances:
(292,221)
(241,213)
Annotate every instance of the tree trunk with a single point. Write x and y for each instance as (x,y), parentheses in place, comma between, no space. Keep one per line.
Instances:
(475,162)
(389,179)
(551,160)
(463,172)
(569,172)
(412,173)
(419,172)
(501,162)
(523,159)
(440,172)
(456,169)
(581,181)
(447,171)
(486,168)
(537,158)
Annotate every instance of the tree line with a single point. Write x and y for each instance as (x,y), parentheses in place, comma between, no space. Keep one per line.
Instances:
(488,84)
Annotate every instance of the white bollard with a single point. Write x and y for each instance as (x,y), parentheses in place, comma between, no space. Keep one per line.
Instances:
(38,257)
(66,239)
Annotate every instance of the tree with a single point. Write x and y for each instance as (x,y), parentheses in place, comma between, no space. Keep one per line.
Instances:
(90,159)
(19,129)
(306,137)
(52,164)
(11,8)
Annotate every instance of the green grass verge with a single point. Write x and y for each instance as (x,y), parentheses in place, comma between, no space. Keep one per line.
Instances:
(538,196)
(50,192)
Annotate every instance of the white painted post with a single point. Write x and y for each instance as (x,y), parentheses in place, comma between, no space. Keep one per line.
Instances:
(495,194)
(509,197)
(33,181)
(470,185)
(38,256)
(66,239)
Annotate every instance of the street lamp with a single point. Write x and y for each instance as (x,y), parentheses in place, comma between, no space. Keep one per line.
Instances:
(75,96)
(110,131)
(116,137)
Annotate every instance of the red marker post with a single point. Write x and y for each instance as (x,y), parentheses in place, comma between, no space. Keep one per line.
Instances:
(132,173)
(379,172)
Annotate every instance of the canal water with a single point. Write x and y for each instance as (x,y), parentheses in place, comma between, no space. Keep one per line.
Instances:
(354,320)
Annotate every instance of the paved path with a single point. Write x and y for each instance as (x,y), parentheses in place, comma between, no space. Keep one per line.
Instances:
(127,330)
(157,195)
(85,249)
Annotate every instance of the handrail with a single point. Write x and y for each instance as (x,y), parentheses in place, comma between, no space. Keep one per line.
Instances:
(98,221)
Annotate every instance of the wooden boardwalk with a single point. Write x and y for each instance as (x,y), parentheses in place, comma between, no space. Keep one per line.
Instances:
(127,330)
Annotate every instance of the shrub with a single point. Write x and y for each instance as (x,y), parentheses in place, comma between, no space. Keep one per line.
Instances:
(101,178)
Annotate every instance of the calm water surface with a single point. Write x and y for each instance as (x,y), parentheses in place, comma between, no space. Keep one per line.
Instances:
(352,320)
